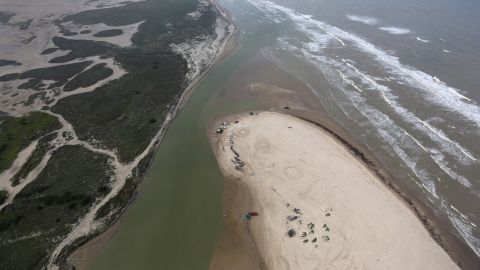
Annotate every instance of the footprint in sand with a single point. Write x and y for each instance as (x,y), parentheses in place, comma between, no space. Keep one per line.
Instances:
(243,132)
(292,172)
(263,146)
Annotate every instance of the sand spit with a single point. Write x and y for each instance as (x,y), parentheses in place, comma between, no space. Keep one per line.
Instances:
(338,213)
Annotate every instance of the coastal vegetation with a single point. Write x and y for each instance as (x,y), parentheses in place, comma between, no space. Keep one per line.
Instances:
(35,158)
(121,117)
(64,191)
(4,62)
(5,16)
(109,33)
(89,77)
(49,51)
(17,132)
(3,196)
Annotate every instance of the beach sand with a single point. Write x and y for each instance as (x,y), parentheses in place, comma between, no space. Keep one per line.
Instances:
(285,163)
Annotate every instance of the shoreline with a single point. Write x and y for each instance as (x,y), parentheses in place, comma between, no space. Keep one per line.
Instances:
(236,248)
(97,240)
(451,243)
(458,251)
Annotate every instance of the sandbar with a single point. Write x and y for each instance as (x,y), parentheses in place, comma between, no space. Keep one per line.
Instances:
(300,178)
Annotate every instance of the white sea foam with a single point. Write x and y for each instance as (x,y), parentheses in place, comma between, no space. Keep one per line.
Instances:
(391,133)
(462,224)
(417,142)
(446,144)
(319,41)
(442,135)
(362,19)
(348,81)
(434,90)
(434,134)
(439,159)
(395,30)
(399,140)
(437,156)
(458,211)
(466,231)
(423,40)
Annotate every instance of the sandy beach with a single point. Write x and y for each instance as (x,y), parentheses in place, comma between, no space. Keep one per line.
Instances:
(303,181)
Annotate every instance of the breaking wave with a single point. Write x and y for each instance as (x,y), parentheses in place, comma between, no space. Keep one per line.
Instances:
(395,30)
(428,140)
(464,227)
(362,19)
(433,89)
(423,40)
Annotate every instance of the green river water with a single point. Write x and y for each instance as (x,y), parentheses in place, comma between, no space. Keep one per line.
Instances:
(175,221)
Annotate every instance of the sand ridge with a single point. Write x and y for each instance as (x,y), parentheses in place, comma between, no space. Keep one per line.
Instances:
(345,217)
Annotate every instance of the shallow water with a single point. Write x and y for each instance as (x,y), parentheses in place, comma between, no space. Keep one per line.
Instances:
(400,76)
(402,84)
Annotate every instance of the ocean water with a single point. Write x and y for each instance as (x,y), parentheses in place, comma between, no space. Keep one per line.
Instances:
(402,76)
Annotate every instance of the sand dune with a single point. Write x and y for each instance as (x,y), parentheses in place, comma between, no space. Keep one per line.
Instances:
(342,215)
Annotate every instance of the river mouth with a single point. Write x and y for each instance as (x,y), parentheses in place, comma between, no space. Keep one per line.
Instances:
(176,219)
(177,216)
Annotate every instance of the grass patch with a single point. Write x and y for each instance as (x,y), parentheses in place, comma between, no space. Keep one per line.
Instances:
(79,49)
(3,196)
(17,132)
(44,211)
(35,84)
(59,73)
(49,50)
(5,16)
(25,24)
(89,77)
(124,115)
(119,114)
(9,77)
(116,204)
(35,159)
(68,32)
(4,62)
(109,33)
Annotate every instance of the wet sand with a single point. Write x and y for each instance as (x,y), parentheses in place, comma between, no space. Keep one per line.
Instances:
(363,229)
(236,248)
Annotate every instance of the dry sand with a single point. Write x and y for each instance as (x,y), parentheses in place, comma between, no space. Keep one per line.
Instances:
(290,163)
